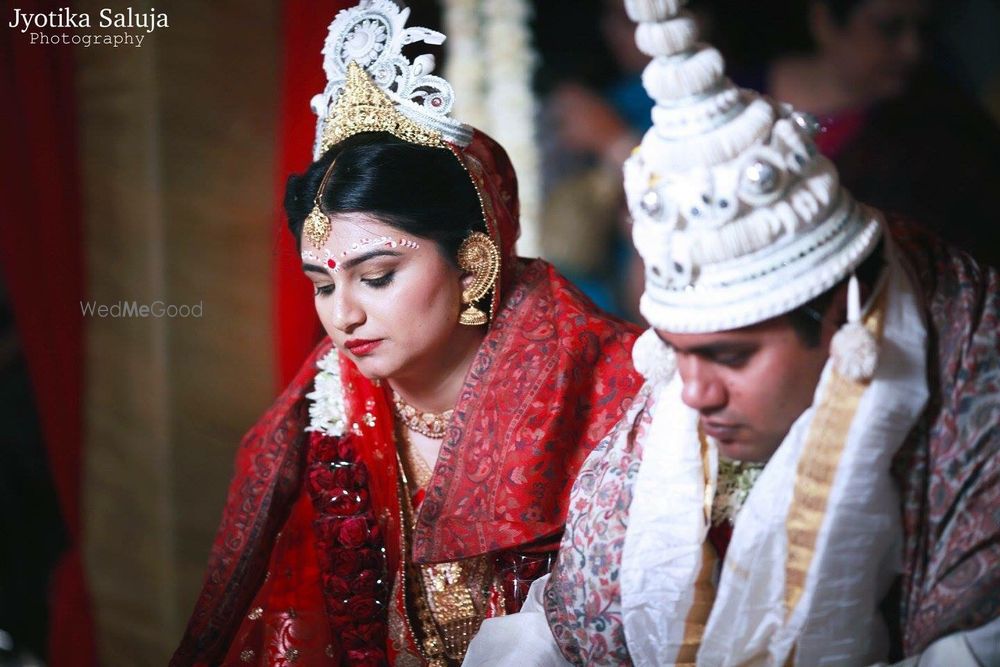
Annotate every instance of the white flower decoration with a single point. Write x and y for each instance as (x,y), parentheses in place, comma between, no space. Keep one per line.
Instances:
(733,484)
(365,42)
(328,410)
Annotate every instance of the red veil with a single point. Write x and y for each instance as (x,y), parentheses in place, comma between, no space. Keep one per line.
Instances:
(551,378)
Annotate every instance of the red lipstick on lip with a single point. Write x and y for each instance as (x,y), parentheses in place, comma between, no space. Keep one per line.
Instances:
(361,347)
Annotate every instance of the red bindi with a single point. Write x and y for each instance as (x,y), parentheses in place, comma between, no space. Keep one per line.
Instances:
(332,264)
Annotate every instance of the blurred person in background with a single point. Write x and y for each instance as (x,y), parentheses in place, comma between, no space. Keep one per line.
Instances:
(904,137)
(592,123)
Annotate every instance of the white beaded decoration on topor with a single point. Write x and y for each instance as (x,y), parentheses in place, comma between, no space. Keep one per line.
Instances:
(654,359)
(672,36)
(682,75)
(735,214)
(853,349)
(647,11)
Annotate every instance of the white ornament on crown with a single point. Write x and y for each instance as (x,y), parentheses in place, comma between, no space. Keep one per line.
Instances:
(373,35)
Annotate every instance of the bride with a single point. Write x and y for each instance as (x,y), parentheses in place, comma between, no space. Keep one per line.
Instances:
(413,478)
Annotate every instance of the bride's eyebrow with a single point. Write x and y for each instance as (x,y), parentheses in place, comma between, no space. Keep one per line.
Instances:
(360,259)
(315,268)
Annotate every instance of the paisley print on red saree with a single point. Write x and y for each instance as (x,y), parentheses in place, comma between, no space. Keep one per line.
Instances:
(551,378)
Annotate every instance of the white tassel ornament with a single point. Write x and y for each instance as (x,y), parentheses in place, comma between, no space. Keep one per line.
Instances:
(853,348)
(654,359)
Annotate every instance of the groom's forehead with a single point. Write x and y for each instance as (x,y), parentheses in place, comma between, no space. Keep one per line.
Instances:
(730,337)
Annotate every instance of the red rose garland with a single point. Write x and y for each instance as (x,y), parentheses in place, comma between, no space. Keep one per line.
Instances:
(350,549)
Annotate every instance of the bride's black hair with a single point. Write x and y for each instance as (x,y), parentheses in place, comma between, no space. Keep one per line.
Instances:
(420,190)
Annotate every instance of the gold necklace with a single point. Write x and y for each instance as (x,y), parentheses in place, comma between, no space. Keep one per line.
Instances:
(448,599)
(430,424)
(415,465)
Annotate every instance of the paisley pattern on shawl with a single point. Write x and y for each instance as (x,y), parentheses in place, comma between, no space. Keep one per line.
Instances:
(545,407)
(552,376)
(583,597)
(949,468)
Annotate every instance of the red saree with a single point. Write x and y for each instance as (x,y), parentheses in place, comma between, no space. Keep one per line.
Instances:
(313,539)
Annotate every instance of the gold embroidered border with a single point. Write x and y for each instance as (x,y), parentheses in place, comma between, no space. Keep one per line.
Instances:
(818,466)
(704,590)
(443,604)
(701,607)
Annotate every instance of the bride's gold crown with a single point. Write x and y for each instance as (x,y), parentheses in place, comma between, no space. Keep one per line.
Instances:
(372,87)
(364,107)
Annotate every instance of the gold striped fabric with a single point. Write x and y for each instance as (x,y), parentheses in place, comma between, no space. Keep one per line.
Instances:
(818,467)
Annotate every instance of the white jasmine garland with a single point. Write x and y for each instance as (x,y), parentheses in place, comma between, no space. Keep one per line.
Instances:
(465,68)
(511,104)
(490,66)
(733,484)
(328,409)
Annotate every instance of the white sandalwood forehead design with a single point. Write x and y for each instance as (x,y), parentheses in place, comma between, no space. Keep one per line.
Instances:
(737,217)
(330,261)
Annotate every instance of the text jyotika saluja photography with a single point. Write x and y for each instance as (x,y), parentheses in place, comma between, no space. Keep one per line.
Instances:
(65,26)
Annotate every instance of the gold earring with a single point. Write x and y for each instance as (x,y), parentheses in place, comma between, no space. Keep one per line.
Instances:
(479,256)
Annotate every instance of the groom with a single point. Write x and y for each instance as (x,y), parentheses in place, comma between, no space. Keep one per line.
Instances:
(811,473)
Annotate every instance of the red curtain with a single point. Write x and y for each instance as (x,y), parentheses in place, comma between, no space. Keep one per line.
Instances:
(41,257)
(296,326)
